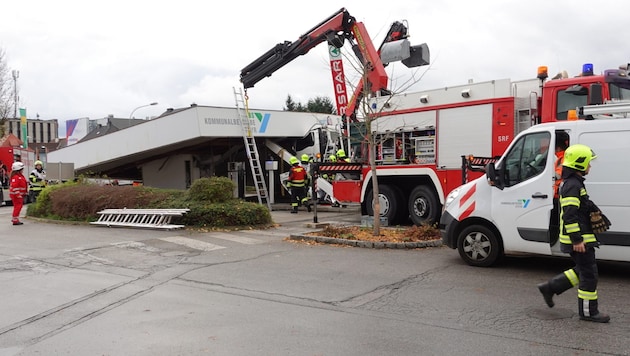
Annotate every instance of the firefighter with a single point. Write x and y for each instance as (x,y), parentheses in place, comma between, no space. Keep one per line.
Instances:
(37,180)
(577,237)
(330,177)
(305,160)
(17,191)
(341,156)
(298,181)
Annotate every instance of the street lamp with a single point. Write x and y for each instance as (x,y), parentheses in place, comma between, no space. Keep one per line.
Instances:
(139,107)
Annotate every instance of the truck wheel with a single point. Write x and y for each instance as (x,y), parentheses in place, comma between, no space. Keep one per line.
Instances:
(388,199)
(423,206)
(479,246)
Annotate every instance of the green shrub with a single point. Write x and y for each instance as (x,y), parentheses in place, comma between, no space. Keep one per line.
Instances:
(212,190)
(233,213)
(82,202)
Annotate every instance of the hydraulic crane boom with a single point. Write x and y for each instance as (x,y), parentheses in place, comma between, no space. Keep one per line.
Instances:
(335,30)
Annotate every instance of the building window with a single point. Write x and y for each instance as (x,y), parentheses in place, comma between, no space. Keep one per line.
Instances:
(33,132)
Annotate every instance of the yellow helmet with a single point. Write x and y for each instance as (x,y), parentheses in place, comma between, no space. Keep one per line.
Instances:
(293,160)
(578,157)
(39,162)
(332,158)
(341,153)
(304,158)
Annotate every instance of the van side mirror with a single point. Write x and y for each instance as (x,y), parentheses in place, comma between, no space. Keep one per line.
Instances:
(493,178)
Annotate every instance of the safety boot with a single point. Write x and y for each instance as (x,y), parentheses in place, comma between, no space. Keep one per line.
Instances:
(308,207)
(294,210)
(589,310)
(556,285)
(598,318)
(545,290)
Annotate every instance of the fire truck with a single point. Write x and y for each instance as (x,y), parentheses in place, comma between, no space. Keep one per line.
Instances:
(8,155)
(426,141)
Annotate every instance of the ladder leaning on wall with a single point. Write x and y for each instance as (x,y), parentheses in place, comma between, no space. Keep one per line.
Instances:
(251,148)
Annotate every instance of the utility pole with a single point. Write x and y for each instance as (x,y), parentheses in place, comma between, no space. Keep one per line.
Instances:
(16,75)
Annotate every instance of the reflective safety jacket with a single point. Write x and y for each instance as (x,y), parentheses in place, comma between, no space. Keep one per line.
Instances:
(18,186)
(37,179)
(298,176)
(575,210)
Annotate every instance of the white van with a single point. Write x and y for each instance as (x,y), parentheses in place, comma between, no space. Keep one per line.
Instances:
(507,211)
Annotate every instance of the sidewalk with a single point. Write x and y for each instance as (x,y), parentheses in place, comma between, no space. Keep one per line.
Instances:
(281,214)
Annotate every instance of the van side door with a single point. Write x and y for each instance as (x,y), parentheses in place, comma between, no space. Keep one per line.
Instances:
(521,209)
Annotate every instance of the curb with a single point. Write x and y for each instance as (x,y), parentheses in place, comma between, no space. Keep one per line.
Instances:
(367,244)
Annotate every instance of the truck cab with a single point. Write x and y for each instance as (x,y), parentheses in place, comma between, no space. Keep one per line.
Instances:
(560,96)
(508,209)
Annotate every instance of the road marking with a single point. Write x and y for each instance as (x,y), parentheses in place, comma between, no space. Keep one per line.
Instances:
(192,243)
(235,238)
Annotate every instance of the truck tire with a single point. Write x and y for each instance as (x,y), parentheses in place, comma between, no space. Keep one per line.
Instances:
(479,246)
(389,199)
(423,206)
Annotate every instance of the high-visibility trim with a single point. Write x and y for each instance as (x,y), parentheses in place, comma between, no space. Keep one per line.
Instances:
(570,228)
(586,295)
(589,238)
(574,201)
(586,238)
(572,277)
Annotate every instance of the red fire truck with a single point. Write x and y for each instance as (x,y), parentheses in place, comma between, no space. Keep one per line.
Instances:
(424,139)
(8,155)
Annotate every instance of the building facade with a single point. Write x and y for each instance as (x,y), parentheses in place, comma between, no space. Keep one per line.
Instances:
(38,131)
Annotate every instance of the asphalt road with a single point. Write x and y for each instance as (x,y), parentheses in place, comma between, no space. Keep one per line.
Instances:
(88,290)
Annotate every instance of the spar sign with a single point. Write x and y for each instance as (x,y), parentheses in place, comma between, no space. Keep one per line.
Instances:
(339,80)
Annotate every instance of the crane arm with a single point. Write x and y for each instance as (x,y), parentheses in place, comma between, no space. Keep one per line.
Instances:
(335,29)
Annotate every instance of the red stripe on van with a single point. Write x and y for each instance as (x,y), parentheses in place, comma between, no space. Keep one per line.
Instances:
(467,196)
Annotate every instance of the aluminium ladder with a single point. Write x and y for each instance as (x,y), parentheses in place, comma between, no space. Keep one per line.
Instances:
(143,218)
(251,148)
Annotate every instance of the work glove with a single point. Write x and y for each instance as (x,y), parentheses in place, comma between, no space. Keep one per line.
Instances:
(289,185)
(599,222)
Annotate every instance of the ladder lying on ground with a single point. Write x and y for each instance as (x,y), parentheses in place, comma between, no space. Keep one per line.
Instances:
(147,218)
(252,149)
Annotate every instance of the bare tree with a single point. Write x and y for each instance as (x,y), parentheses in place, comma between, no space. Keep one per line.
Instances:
(6,95)
(371,113)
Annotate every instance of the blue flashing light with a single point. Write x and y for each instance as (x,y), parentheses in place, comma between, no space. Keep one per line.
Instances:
(587,69)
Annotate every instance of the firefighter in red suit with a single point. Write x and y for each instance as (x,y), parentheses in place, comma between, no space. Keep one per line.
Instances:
(17,191)
(298,182)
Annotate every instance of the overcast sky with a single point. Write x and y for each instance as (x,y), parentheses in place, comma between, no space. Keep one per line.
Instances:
(92,59)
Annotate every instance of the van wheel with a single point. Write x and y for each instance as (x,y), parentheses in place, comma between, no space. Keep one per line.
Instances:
(423,206)
(388,199)
(479,246)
